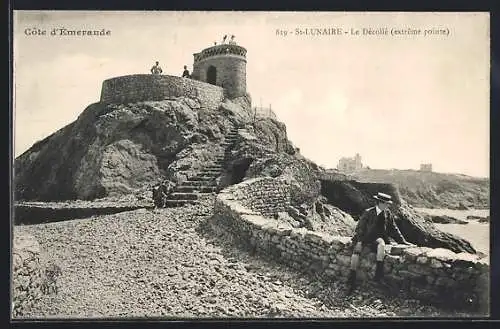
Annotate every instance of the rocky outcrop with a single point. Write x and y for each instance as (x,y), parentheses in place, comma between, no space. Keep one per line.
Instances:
(433,190)
(354,197)
(423,232)
(115,149)
(444,219)
(297,171)
(484,220)
(332,220)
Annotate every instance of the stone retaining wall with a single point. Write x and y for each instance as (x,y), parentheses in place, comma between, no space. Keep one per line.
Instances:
(26,274)
(266,195)
(150,87)
(438,276)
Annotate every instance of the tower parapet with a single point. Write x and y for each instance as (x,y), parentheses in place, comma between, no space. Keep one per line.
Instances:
(221,50)
(222,65)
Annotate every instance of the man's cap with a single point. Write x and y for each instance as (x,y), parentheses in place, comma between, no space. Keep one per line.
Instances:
(383,197)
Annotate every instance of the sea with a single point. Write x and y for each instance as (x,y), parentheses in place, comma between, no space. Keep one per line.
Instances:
(478,234)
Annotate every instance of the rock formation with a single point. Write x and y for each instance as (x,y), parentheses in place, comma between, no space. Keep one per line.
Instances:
(114,150)
(118,149)
(444,219)
(433,190)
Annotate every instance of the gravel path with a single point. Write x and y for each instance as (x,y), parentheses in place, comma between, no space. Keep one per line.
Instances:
(156,263)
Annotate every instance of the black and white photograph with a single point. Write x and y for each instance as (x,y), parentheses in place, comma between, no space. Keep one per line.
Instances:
(250,165)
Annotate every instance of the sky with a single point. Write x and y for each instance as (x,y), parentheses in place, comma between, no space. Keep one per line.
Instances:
(397,100)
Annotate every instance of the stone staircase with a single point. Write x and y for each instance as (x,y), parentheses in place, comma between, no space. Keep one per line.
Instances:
(188,192)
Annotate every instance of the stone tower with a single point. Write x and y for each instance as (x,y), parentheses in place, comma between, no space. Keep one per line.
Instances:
(222,65)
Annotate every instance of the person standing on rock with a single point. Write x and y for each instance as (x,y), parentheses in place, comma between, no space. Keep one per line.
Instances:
(373,230)
(185,74)
(156,69)
(160,194)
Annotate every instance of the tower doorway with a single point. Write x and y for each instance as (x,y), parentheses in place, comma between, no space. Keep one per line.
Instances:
(212,75)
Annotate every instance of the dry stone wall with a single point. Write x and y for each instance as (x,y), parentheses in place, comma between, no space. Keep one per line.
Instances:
(26,274)
(150,87)
(266,196)
(438,276)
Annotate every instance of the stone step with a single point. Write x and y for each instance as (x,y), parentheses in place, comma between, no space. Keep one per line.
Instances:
(183,196)
(198,183)
(207,176)
(217,171)
(211,170)
(213,167)
(202,179)
(214,173)
(180,203)
(195,189)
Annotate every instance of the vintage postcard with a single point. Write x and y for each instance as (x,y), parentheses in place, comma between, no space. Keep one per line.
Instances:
(250,165)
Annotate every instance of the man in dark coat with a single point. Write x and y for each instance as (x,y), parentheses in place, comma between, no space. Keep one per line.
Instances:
(161,192)
(374,229)
(159,196)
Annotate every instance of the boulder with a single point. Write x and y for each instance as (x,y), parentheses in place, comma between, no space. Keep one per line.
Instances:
(479,218)
(445,219)
(484,220)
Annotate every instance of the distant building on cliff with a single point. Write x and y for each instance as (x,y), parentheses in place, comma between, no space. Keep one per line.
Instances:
(350,164)
(426,167)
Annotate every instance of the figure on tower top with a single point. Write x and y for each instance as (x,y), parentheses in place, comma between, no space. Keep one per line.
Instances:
(232,42)
(185,74)
(224,39)
(156,69)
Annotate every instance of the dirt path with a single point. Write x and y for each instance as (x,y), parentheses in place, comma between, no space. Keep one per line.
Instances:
(156,264)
